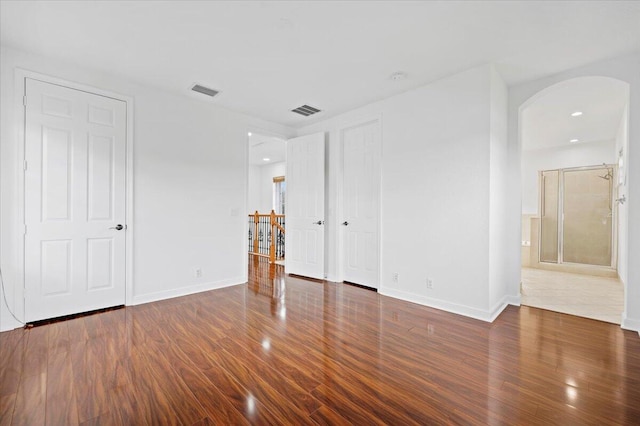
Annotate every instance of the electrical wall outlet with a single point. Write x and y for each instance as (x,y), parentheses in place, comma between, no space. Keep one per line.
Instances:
(396,277)
(429,283)
(198,273)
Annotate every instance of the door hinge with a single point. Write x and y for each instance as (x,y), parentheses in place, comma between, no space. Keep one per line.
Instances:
(24,229)
(24,165)
(24,100)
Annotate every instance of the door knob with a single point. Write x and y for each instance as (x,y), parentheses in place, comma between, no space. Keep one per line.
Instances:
(345,223)
(320,222)
(118,227)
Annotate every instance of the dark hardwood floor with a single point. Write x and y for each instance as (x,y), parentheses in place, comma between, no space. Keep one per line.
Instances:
(289,351)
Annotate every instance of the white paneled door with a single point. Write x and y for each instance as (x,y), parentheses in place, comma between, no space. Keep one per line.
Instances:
(361,189)
(75,152)
(304,239)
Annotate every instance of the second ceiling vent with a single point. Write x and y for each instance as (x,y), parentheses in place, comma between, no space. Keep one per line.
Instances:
(204,90)
(305,110)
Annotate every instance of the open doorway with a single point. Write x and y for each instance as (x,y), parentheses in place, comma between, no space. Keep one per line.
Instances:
(266,204)
(574,141)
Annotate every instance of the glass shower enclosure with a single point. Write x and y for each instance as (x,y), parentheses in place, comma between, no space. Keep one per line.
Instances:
(577,216)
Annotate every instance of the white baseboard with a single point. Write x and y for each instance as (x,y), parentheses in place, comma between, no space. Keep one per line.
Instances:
(497,309)
(467,311)
(630,324)
(185,291)
(9,324)
(513,300)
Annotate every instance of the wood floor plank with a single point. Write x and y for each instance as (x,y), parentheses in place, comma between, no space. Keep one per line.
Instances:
(61,406)
(326,416)
(287,389)
(284,350)
(36,351)
(59,340)
(219,409)
(180,398)
(284,409)
(404,403)
(192,342)
(284,365)
(153,404)
(91,380)
(7,403)
(241,398)
(345,406)
(31,401)
(12,350)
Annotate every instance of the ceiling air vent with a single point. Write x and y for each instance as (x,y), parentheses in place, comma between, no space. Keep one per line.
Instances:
(204,90)
(305,110)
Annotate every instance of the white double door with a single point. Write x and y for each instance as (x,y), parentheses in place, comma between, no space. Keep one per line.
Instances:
(359,223)
(361,194)
(75,183)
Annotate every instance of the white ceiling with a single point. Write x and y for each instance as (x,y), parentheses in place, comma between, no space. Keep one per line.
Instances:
(267,58)
(261,147)
(547,122)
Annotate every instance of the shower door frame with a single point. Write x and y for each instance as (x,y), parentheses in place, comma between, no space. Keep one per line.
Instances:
(560,213)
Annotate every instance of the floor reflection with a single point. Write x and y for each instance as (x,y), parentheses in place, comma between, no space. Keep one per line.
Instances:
(268,279)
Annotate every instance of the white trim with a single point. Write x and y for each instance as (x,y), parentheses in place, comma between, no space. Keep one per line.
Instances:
(20,86)
(513,300)
(630,324)
(332,278)
(498,308)
(529,92)
(185,291)
(339,234)
(19,109)
(455,308)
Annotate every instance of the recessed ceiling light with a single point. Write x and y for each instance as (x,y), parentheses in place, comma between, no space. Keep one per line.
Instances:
(576,114)
(249,134)
(269,159)
(574,140)
(399,75)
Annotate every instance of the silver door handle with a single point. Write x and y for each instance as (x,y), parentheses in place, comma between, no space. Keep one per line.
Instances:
(345,223)
(118,227)
(320,222)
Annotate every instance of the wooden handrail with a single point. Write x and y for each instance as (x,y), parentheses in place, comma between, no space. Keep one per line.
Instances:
(279,227)
(274,225)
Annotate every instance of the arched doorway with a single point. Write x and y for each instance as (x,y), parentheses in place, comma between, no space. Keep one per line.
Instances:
(574,141)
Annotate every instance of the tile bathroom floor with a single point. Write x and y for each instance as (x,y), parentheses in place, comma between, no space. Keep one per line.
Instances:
(582,295)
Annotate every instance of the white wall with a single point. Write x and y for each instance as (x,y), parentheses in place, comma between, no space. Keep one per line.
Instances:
(625,68)
(575,155)
(189,175)
(261,186)
(435,193)
(499,257)
(254,196)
